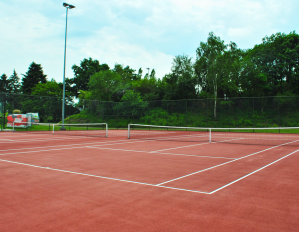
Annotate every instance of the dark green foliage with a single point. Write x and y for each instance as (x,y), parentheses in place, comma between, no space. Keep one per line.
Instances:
(103,84)
(87,68)
(181,82)
(33,76)
(3,84)
(13,84)
(277,59)
(131,105)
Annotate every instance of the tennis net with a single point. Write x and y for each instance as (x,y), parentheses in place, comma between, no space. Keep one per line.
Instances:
(86,129)
(253,136)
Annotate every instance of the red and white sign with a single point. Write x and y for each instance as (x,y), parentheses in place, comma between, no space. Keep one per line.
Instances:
(18,120)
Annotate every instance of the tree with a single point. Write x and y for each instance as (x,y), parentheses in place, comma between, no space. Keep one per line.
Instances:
(231,61)
(87,68)
(209,65)
(181,82)
(33,76)
(253,82)
(46,100)
(131,104)
(50,88)
(3,84)
(104,84)
(13,87)
(277,59)
(128,76)
(146,87)
(14,83)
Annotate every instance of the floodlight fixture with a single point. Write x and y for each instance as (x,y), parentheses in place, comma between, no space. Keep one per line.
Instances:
(67,6)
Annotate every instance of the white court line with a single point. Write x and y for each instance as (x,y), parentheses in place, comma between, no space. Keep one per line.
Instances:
(162,153)
(41,139)
(96,144)
(181,177)
(195,145)
(201,156)
(216,190)
(102,177)
(34,151)
(57,149)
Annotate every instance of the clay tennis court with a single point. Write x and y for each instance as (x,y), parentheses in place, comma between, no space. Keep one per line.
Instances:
(79,183)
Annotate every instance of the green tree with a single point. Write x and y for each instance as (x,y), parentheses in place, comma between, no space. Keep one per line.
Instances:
(147,87)
(277,59)
(181,82)
(87,68)
(50,88)
(3,84)
(33,76)
(253,82)
(231,67)
(104,84)
(209,65)
(14,83)
(128,76)
(131,104)
(46,100)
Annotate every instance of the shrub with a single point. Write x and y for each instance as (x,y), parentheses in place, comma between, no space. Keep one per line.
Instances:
(16,111)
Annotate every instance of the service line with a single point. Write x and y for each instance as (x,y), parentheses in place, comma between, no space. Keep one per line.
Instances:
(102,177)
(181,177)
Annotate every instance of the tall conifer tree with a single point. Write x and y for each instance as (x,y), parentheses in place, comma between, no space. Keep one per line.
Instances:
(14,83)
(33,76)
(3,83)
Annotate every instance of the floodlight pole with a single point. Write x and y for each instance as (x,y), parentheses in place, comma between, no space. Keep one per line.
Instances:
(67,6)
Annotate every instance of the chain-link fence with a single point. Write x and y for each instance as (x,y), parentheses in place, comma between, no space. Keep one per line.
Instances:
(233,112)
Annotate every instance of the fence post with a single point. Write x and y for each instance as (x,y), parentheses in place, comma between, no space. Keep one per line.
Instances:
(186,111)
(4,110)
(278,113)
(253,111)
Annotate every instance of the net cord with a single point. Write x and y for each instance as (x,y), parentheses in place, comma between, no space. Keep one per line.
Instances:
(215,128)
(53,126)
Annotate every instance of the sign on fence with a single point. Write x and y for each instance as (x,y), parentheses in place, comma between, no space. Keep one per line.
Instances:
(19,120)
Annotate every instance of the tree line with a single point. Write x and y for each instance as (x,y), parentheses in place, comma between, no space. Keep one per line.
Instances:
(219,70)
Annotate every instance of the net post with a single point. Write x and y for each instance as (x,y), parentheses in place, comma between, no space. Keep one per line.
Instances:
(210,135)
(53,128)
(106,130)
(128,131)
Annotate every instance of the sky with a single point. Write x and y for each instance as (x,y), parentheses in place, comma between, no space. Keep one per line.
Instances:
(136,33)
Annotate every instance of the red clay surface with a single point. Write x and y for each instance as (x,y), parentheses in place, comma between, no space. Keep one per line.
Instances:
(69,183)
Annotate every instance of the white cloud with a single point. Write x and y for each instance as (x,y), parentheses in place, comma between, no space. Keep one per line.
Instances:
(108,48)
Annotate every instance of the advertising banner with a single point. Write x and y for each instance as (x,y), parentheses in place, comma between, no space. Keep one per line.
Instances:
(18,120)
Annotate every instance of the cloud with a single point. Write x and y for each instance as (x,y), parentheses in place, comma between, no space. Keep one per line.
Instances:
(108,47)
(138,33)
